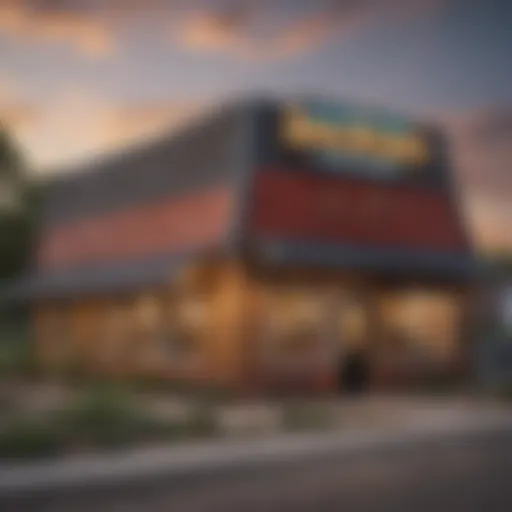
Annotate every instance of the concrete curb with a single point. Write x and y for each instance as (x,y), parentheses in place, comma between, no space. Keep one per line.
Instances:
(195,459)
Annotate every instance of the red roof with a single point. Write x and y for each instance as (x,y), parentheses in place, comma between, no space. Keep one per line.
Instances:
(297,205)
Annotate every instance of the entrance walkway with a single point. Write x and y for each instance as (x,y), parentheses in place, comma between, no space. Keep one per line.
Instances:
(392,410)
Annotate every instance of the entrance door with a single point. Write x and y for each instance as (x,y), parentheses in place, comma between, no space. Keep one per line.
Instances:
(353,369)
(354,372)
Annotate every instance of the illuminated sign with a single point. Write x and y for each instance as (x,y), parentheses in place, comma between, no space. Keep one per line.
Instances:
(338,135)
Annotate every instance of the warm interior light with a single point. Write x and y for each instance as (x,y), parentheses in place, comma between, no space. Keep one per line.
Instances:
(353,323)
(192,313)
(426,320)
(147,311)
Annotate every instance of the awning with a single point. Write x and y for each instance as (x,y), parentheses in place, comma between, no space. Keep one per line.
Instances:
(381,260)
(111,278)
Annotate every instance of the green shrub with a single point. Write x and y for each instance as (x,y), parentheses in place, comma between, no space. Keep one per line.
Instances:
(205,392)
(202,423)
(211,394)
(108,417)
(105,417)
(305,417)
(17,359)
(24,438)
(160,383)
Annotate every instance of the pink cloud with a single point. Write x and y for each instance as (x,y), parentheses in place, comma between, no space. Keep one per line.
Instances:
(262,29)
(82,31)
(247,30)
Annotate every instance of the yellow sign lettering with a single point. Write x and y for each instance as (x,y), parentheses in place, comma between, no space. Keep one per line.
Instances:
(302,132)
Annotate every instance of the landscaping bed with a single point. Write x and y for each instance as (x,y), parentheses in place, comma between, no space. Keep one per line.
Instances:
(48,419)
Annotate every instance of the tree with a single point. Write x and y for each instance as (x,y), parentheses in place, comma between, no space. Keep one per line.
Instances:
(19,207)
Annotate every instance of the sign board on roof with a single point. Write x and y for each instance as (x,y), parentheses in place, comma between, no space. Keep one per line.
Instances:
(339,135)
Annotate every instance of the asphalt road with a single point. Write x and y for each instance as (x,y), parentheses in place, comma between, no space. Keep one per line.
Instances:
(473,473)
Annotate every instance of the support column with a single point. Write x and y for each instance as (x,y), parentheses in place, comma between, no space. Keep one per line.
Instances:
(374,336)
(229,305)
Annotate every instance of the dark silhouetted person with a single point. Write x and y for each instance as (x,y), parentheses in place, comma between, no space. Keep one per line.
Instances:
(355,372)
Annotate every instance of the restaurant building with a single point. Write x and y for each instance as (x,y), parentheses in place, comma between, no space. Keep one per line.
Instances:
(301,245)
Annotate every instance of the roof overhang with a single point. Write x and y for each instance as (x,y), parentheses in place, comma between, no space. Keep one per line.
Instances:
(112,278)
(383,261)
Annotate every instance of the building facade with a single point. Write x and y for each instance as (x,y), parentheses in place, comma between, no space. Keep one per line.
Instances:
(271,246)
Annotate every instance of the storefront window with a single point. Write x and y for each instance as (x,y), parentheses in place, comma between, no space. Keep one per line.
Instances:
(295,326)
(186,328)
(144,347)
(421,323)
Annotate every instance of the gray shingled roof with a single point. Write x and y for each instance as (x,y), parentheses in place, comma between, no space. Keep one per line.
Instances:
(200,156)
(110,278)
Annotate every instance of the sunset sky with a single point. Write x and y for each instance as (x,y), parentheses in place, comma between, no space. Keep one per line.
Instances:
(80,77)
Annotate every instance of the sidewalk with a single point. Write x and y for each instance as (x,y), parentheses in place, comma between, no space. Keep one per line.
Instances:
(200,458)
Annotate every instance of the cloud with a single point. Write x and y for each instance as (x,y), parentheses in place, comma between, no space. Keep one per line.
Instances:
(248,29)
(84,31)
(245,29)
(220,30)
(481,143)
